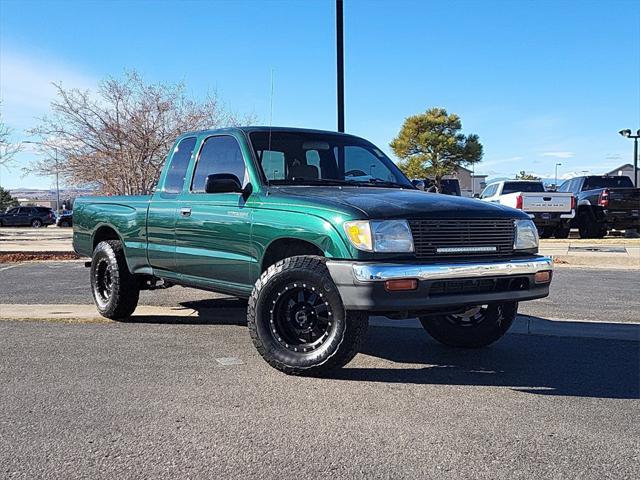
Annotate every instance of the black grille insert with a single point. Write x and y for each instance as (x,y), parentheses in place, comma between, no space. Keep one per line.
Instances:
(462,238)
(482,285)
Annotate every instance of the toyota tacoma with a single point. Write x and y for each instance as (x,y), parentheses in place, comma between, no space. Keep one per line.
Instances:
(318,231)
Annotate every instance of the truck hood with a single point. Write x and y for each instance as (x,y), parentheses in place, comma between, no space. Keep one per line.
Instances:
(379,203)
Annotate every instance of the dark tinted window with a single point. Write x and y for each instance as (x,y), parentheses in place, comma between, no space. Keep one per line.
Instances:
(591,183)
(512,187)
(179,162)
(218,155)
(26,210)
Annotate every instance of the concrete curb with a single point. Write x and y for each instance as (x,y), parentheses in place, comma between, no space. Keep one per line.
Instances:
(523,325)
(526,325)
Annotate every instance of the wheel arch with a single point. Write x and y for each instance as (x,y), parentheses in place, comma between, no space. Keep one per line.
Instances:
(285,247)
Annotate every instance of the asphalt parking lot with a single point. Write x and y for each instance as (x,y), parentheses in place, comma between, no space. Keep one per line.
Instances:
(179,398)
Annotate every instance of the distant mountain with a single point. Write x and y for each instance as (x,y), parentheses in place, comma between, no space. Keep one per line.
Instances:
(48,194)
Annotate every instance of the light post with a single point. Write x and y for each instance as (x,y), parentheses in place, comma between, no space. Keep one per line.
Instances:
(627,133)
(340,63)
(557,165)
(55,157)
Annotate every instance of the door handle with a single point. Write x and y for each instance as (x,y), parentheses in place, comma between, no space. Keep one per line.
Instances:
(185,211)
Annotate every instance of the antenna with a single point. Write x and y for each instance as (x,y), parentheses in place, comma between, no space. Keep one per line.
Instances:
(270,118)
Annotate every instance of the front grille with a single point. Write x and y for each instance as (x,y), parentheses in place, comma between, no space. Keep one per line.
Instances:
(483,285)
(459,238)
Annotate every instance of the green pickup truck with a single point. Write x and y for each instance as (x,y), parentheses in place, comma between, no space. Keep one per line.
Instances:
(318,230)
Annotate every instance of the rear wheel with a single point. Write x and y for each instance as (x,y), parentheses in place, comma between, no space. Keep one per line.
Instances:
(115,290)
(476,327)
(65,224)
(297,320)
(36,223)
(589,227)
(562,231)
(546,232)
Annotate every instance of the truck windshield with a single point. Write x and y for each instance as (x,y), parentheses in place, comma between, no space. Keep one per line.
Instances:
(591,183)
(513,187)
(306,158)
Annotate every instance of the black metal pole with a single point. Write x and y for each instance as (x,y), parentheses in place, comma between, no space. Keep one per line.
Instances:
(635,161)
(340,63)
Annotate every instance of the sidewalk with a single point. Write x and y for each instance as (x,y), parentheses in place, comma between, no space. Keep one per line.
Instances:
(615,253)
(524,324)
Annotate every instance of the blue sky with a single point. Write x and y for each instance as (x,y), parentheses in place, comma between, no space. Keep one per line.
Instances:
(539,81)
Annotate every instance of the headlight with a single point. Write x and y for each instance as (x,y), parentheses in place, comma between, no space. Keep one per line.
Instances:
(526,235)
(390,236)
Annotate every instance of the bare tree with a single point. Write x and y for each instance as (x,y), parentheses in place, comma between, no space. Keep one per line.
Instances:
(8,150)
(116,138)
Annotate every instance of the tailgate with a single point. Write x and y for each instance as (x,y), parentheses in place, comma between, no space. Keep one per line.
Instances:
(546,202)
(624,199)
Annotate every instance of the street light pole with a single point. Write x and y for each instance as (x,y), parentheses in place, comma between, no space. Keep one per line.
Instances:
(627,133)
(557,165)
(340,63)
(55,152)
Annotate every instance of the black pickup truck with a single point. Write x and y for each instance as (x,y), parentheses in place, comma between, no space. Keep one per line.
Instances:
(604,203)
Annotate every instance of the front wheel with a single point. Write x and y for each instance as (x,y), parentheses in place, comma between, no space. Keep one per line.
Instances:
(297,320)
(115,290)
(476,327)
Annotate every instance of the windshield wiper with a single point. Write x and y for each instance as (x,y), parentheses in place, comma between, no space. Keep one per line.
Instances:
(378,182)
(311,181)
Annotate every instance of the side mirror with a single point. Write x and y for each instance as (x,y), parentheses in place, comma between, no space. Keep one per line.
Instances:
(476,195)
(419,184)
(222,183)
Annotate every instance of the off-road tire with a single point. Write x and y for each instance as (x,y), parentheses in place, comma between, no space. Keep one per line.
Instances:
(121,299)
(36,223)
(343,338)
(497,319)
(65,224)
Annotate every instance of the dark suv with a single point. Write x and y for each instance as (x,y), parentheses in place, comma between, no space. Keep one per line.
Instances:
(27,216)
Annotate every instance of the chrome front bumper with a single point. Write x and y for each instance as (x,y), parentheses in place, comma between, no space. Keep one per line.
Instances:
(379,272)
(362,284)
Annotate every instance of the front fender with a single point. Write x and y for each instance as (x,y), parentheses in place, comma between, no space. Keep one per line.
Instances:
(272,225)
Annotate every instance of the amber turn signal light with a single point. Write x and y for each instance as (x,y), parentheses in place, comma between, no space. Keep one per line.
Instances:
(401,285)
(543,277)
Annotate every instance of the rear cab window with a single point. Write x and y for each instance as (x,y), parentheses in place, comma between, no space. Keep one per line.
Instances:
(526,187)
(592,183)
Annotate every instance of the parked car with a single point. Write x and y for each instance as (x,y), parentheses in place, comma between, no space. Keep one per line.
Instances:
(550,211)
(65,219)
(604,203)
(288,219)
(27,216)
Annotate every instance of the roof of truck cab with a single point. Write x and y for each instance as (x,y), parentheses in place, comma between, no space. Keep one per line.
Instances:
(262,128)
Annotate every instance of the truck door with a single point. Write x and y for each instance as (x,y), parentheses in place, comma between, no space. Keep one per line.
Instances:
(163,207)
(213,229)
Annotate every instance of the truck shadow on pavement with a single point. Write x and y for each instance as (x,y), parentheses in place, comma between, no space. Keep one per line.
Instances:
(541,365)
(535,364)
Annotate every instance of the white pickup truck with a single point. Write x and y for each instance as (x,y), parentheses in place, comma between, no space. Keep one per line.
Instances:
(550,211)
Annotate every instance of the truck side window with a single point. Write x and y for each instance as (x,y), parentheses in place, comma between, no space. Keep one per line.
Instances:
(178,167)
(220,154)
